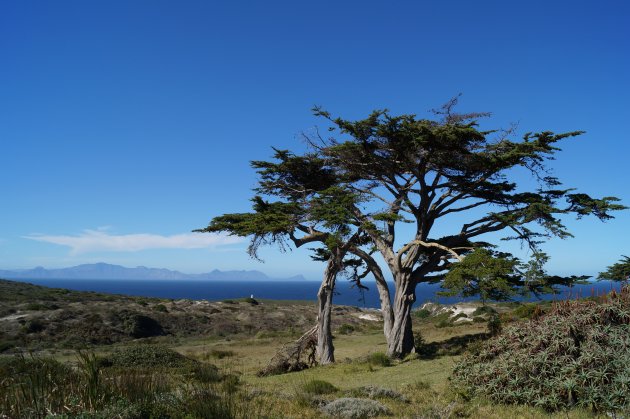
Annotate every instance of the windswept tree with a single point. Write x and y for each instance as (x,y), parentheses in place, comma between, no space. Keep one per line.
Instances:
(619,271)
(307,207)
(420,173)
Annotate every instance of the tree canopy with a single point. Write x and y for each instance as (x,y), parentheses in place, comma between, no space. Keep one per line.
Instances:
(619,271)
(366,179)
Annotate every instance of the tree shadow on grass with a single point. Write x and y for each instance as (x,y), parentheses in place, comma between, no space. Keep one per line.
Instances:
(456,345)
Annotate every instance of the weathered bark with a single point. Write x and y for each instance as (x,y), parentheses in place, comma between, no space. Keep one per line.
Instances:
(325,348)
(386,305)
(383,290)
(400,341)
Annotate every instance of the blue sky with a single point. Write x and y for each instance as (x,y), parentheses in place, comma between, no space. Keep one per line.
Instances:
(125,125)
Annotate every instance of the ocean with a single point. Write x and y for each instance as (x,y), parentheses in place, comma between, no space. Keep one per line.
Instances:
(345,294)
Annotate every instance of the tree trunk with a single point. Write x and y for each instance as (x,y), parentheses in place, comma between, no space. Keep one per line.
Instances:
(383,291)
(325,348)
(400,340)
(386,305)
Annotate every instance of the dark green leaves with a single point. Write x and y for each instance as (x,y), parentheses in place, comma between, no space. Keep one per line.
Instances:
(491,276)
(619,271)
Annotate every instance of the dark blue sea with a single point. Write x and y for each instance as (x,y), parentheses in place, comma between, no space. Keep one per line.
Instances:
(278,290)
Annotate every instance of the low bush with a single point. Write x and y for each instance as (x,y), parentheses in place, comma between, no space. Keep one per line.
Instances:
(349,407)
(459,316)
(160,308)
(379,359)
(526,310)
(376,392)
(251,301)
(318,387)
(141,326)
(484,310)
(578,354)
(221,353)
(422,313)
(346,329)
(495,325)
(34,326)
(149,356)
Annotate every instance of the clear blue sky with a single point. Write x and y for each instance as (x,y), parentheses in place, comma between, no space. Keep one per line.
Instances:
(126,124)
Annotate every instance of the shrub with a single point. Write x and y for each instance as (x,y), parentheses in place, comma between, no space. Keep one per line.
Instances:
(346,329)
(578,354)
(318,387)
(161,308)
(483,310)
(419,342)
(443,323)
(375,392)
(348,407)
(149,356)
(251,301)
(35,307)
(140,326)
(494,325)
(459,316)
(423,313)
(34,326)
(379,359)
(221,353)
(526,311)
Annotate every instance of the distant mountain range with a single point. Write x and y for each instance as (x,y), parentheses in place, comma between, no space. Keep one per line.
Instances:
(107,271)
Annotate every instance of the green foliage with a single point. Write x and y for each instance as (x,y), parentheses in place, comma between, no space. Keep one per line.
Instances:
(148,356)
(527,310)
(577,354)
(319,387)
(346,329)
(484,310)
(423,313)
(160,308)
(251,301)
(41,387)
(484,274)
(495,325)
(619,271)
(379,359)
(141,326)
(221,353)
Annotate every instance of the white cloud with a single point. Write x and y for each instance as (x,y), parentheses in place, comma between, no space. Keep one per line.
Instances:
(101,241)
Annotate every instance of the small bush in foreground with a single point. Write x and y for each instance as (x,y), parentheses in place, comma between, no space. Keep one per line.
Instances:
(576,355)
(348,407)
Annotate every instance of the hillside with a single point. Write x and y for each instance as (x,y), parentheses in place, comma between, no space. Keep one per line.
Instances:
(38,317)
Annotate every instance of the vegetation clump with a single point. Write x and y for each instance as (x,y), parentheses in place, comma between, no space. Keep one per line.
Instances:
(349,407)
(319,387)
(376,392)
(148,356)
(576,355)
(379,359)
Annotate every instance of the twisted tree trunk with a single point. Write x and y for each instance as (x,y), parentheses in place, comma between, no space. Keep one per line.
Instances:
(400,340)
(325,348)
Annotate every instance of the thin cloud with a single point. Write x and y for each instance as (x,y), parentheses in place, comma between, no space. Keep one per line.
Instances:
(100,241)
